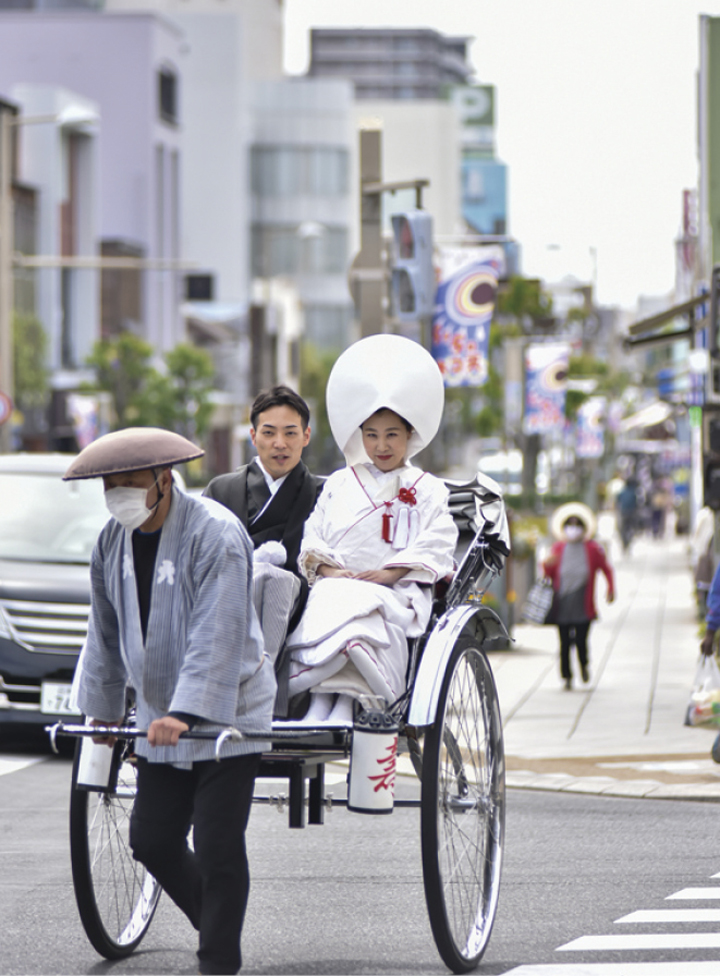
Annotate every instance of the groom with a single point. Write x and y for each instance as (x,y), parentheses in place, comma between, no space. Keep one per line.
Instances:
(273,494)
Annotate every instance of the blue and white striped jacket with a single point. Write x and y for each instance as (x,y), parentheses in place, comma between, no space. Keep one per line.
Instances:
(204,651)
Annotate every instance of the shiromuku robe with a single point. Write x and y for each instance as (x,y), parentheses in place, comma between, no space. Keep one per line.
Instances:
(203,654)
(352,638)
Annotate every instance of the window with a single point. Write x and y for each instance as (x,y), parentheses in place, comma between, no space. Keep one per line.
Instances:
(474,185)
(406,44)
(199,288)
(280,250)
(282,171)
(167,92)
(328,326)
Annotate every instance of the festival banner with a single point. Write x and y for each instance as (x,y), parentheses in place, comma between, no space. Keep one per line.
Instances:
(589,430)
(546,367)
(464,306)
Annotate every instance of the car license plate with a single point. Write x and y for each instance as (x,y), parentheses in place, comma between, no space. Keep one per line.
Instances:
(55,699)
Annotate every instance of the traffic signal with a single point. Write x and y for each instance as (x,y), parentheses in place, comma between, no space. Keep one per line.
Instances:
(412,282)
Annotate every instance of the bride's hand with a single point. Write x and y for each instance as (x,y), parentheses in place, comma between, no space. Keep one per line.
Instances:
(386,577)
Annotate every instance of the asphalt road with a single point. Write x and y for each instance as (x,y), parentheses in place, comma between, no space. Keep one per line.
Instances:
(347,897)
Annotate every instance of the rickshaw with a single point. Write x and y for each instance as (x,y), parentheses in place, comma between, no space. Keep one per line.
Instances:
(448,725)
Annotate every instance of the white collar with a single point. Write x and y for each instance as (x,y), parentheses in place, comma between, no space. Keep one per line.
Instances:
(384,476)
(272,483)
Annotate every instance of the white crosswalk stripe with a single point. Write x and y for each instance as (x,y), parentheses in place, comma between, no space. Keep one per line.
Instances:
(11,764)
(645,941)
(653,940)
(620,969)
(696,894)
(670,915)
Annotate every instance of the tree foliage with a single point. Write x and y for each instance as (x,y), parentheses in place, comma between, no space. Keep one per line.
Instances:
(30,373)
(122,368)
(607,382)
(583,367)
(177,398)
(322,454)
(524,301)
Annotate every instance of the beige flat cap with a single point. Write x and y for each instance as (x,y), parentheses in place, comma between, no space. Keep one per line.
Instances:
(131,449)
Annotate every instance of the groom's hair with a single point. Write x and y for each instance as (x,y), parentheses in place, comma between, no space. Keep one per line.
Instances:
(280,396)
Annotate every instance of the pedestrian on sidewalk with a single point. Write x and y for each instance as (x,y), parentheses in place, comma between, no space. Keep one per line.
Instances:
(712,625)
(627,503)
(573,563)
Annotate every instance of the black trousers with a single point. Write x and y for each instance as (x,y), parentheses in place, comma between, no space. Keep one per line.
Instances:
(210,884)
(570,634)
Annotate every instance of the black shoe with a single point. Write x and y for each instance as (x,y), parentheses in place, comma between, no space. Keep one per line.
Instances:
(584,672)
(568,684)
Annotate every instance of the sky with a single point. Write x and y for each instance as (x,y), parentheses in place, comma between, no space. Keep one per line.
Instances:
(596,119)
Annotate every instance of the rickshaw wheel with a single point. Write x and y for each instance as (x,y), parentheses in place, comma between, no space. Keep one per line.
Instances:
(463,809)
(116,896)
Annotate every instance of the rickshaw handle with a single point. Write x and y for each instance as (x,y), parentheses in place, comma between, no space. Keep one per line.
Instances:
(128,732)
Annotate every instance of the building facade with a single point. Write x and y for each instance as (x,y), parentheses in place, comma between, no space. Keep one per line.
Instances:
(390,63)
(302,198)
(129,66)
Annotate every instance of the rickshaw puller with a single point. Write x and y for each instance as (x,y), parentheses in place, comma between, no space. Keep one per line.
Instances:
(172,617)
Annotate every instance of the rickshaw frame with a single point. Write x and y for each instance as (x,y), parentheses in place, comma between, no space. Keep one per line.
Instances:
(449,724)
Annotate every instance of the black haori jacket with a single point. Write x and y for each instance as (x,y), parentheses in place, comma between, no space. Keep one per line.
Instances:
(283,521)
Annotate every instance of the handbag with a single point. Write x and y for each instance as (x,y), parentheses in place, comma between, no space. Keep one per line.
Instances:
(538,605)
(704,706)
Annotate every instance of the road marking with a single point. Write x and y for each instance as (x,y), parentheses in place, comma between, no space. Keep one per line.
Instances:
(654,940)
(669,915)
(696,894)
(649,942)
(9,765)
(618,969)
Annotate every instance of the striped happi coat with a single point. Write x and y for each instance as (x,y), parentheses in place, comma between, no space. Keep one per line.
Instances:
(203,654)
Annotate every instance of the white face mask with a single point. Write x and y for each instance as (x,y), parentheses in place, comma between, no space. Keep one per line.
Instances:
(573,533)
(127,505)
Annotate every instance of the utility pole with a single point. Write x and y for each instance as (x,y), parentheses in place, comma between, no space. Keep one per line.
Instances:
(368,269)
(368,273)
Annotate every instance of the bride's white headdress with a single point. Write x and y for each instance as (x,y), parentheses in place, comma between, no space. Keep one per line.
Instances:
(384,371)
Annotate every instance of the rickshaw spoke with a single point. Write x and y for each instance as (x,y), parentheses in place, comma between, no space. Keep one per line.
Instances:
(116,896)
(463,809)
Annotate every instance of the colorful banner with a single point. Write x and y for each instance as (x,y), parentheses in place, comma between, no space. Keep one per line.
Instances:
(589,430)
(464,307)
(546,367)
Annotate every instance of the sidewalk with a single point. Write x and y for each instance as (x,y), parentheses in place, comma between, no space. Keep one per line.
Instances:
(622,734)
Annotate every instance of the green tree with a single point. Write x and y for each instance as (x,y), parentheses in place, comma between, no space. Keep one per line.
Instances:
(30,372)
(179,399)
(176,399)
(122,368)
(523,305)
(591,370)
(321,454)
(523,301)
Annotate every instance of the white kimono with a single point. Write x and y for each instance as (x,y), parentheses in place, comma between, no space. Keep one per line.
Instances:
(352,637)
(203,653)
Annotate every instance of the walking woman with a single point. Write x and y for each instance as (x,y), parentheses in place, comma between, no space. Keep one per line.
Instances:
(573,563)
